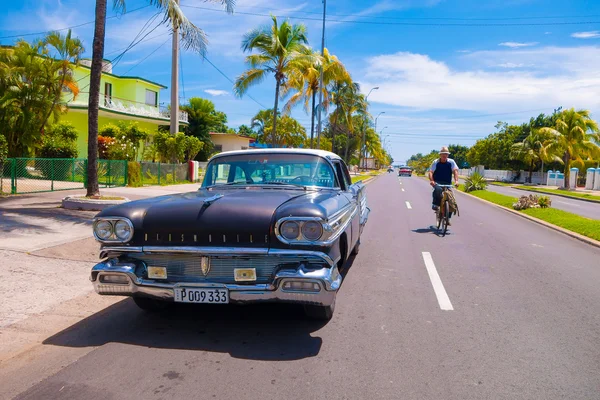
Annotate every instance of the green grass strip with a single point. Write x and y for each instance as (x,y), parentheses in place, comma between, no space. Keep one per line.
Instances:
(573,222)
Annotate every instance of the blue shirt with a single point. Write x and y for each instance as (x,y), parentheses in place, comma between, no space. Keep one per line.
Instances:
(442,172)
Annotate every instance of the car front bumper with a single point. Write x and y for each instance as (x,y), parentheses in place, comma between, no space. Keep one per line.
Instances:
(116,278)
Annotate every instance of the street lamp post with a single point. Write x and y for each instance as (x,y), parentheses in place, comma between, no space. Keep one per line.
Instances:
(364,141)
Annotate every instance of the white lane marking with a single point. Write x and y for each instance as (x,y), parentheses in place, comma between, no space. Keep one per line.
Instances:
(408,205)
(438,286)
(403,189)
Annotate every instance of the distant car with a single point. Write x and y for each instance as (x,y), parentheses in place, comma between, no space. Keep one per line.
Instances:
(266,225)
(405,171)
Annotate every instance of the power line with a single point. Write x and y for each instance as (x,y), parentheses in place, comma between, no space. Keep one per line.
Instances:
(71,27)
(230,80)
(474,24)
(148,56)
(419,18)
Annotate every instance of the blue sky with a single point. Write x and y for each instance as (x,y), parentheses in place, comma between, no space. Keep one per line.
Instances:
(447,70)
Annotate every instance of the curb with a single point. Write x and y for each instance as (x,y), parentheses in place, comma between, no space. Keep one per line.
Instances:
(556,194)
(77,203)
(567,232)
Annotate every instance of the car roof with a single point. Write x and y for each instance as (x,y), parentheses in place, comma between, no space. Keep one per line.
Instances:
(314,152)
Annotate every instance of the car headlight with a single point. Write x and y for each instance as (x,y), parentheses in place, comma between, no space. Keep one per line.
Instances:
(290,230)
(103,229)
(123,230)
(113,230)
(312,230)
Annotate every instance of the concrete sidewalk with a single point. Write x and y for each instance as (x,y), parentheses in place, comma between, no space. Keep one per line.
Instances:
(46,252)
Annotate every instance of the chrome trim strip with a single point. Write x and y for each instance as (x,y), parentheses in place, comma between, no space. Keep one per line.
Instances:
(329,279)
(205,250)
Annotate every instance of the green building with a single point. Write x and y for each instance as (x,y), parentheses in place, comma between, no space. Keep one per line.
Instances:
(122,98)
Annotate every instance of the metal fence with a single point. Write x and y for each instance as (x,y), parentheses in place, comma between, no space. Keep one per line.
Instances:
(163,174)
(32,175)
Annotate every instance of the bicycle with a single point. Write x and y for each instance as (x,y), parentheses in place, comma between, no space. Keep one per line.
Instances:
(443,212)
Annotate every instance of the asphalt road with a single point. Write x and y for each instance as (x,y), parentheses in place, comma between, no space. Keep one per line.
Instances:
(579,207)
(520,320)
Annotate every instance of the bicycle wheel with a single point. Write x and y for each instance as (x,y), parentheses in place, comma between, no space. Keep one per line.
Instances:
(445,218)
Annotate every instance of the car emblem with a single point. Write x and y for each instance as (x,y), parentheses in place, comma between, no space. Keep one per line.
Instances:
(204,265)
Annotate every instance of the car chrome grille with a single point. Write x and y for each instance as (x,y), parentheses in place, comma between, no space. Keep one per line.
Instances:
(188,267)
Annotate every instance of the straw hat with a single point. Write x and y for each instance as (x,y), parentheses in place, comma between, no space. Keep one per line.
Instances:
(444,150)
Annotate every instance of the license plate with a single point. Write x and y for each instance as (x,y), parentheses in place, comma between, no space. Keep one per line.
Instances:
(198,295)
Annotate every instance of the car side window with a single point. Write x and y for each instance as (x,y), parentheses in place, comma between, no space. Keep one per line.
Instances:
(346,174)
(339,171)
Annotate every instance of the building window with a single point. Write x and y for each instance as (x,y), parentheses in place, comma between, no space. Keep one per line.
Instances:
(151,98)
(107,94)
(218,147)
(244,148)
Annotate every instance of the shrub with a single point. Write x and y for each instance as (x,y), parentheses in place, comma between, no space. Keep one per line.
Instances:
(3,149)
(544,202)
(176,148)
(59,141)
(134,174)
(126,140)
(526,202)
(475,182)
(104,143)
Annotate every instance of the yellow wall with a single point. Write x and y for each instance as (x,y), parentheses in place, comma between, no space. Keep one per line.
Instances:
(80,121)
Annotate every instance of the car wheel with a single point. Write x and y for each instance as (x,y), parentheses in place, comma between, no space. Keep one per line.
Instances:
(320,313)
(356,248)
(150,305)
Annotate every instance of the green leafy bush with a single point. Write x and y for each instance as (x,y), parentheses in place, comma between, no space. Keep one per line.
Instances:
(475,182)
(59,141)
(544,201)
(121,141)
(3,149)
(176,148)
(134,174)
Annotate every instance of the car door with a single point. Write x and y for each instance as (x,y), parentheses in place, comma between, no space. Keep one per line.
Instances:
(353,192)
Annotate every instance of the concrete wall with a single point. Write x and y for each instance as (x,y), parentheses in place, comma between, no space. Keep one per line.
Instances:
(231,142)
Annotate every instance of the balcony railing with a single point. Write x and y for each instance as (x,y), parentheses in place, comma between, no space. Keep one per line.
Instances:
(134,107)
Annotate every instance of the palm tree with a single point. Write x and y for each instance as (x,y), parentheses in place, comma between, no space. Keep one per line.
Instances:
(531,149)
(69,49)
(348,102)
(192,37)
(305,81)
(574,138)
(281,49)
(260,123)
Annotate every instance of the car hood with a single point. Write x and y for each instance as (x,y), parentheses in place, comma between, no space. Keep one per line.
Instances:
(229,217)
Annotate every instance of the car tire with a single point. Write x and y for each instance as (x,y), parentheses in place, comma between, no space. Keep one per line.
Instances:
(151,305)
(356,248)
(320,313)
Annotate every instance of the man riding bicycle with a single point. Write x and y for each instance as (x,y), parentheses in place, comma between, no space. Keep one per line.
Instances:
(441,173)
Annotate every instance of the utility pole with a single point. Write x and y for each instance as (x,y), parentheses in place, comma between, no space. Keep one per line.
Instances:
(174,127)
(364,139)
(321,80)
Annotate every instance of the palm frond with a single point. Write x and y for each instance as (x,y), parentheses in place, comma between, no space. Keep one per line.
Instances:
(247,79)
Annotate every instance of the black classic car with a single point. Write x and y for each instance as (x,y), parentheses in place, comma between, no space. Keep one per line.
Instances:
(266,225)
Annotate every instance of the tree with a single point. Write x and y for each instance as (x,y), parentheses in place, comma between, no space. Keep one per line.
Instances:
(245,130)
(290,132)
(574,138)
(192,37)
(349,102)
(458,154)
(305,81)
(531,149)
(203,118)
(32,81)
(281,49)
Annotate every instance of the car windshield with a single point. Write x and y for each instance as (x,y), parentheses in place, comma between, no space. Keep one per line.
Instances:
(270,169)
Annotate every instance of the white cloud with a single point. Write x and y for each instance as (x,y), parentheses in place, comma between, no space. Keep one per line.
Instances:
(510,65)
(463,51)
(516,45)
(554,76)
(214,92)
(547,33)
(586,35)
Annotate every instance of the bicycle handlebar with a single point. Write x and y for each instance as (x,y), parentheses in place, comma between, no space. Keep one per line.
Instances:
(444,186)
